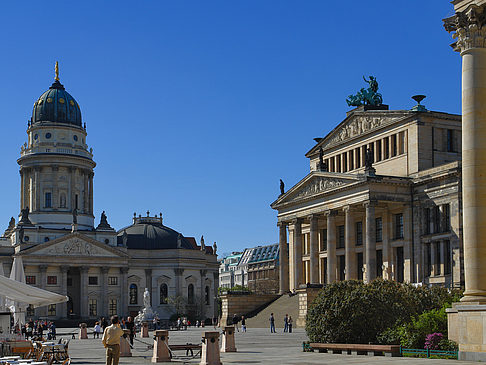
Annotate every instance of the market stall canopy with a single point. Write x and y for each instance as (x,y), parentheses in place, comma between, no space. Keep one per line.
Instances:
(23,293)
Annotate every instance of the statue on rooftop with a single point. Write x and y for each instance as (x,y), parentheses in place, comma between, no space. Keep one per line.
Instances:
(368,158)
(75,216)
(24,219)
(282,187)
(369,96)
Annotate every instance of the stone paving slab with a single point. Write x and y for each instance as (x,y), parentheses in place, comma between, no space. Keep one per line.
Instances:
(257,346)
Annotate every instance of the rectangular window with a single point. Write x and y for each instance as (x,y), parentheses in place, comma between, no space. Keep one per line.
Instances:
(112,309)
(30,311)
(379,263)
(398,226)
(427,220)
(92,280)
(52,280)
(112,280)
(338,163)
(76,201)
(401,143)
(342,266)
(340,240)
(48,200)
(386,147)
(351,160)
(450,140)
(345,162)
(324,270)
(358,158)
(93,308)
(30,279)
(437,258)
(323,239)
(378,150)
(51,310)
(360,265)
(448,258)
(446,214)
(379,229)
(436,219)
(400,265)
(428,258)
(394,145)
(359,233)
(331,164)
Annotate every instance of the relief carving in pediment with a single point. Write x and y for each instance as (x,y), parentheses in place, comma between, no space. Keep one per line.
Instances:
(318,185)
(74,247)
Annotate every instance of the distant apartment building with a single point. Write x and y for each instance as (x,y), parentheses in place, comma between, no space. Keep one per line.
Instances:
(230,274)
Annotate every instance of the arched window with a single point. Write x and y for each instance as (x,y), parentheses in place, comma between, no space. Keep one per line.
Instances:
(206,295)
(133,294)
(190,294)
(164,291)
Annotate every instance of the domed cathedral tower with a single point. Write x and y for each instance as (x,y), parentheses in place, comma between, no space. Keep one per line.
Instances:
(56,167)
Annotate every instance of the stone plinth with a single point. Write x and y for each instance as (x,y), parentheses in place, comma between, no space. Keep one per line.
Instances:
(161,346)
(242,304)
(125,350)
(306,296)
(467,326)
(228,340)
(83,333)
(144,330)
(210,349)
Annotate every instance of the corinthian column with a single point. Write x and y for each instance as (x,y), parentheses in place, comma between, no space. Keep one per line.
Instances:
(297,253)
(348,244)
(331,247)
(370,245)
(470,34)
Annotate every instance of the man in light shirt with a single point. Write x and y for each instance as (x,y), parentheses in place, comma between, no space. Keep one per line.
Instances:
(111,341)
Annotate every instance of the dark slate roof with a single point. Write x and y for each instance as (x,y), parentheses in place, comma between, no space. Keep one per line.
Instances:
(152,236)
(58,106)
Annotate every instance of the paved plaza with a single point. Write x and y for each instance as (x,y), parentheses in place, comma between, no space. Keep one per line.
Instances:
(257,346)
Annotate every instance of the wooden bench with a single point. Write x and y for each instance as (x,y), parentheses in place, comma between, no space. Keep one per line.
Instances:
(356,349)
(187,347)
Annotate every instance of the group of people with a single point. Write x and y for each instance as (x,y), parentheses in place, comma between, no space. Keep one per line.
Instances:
(288,322)
(101,325)
(37,329)
(235,321)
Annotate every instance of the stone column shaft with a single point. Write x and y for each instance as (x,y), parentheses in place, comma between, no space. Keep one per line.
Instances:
(42,284)
(104,292)
(203,293)
(314,249)
(297,258)
(386,246)
(331,248)
(37,202)
(90,187)
(351,272)
(124,291)
(84,291)
(370,244)
(63,306)
(148,283)
(86,192)
(283,259)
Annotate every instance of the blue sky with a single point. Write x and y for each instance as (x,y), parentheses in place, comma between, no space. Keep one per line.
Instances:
(196,109)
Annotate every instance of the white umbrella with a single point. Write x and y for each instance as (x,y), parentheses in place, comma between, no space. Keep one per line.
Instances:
(18,308)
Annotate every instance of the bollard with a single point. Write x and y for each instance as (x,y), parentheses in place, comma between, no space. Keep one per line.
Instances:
(83,333)
(125,350)
(228,340)
(161,346)
(210,349)
(144,331)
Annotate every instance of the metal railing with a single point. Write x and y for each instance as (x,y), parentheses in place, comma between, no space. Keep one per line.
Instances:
(428,353)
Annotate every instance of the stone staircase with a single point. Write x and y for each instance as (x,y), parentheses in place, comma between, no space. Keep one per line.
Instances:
(282,306)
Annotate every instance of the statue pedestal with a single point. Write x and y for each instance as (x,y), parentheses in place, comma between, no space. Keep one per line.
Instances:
(228,341)
(125,350)
(466,322)
(144,331)
(83,333)
(210,349)
(161,347)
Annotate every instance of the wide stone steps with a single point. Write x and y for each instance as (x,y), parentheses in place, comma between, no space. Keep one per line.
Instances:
(282,306)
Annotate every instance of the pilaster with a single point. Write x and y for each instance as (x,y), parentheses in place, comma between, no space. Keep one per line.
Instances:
(84,291)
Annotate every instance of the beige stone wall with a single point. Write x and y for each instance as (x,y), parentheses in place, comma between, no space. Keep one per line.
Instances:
(242,304)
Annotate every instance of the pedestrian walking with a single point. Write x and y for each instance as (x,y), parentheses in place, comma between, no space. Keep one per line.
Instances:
(131,326)
(272,323)
(243,324)
(235,322)
(111,341)
(286,323)
(290,324)
(96,330)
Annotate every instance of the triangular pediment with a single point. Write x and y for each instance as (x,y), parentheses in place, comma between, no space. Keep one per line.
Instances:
(315,184)
(358,124)
(76,245)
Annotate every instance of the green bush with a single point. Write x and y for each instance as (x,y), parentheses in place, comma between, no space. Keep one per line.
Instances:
(354,312)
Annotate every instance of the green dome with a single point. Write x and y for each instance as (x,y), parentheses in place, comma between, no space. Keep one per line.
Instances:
(58,106)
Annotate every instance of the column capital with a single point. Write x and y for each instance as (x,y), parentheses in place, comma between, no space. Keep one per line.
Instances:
(123,270)
(203,272)
(370,203)
(84,269)
(282,223)
(347,208)
(313,217)
(104,270)
(148,272)
(330,213)
(43,268)
(468,27)
(296,221)
(64,268)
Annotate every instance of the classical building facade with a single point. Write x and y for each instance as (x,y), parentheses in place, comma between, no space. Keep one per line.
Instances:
(382,199)
(102,271)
